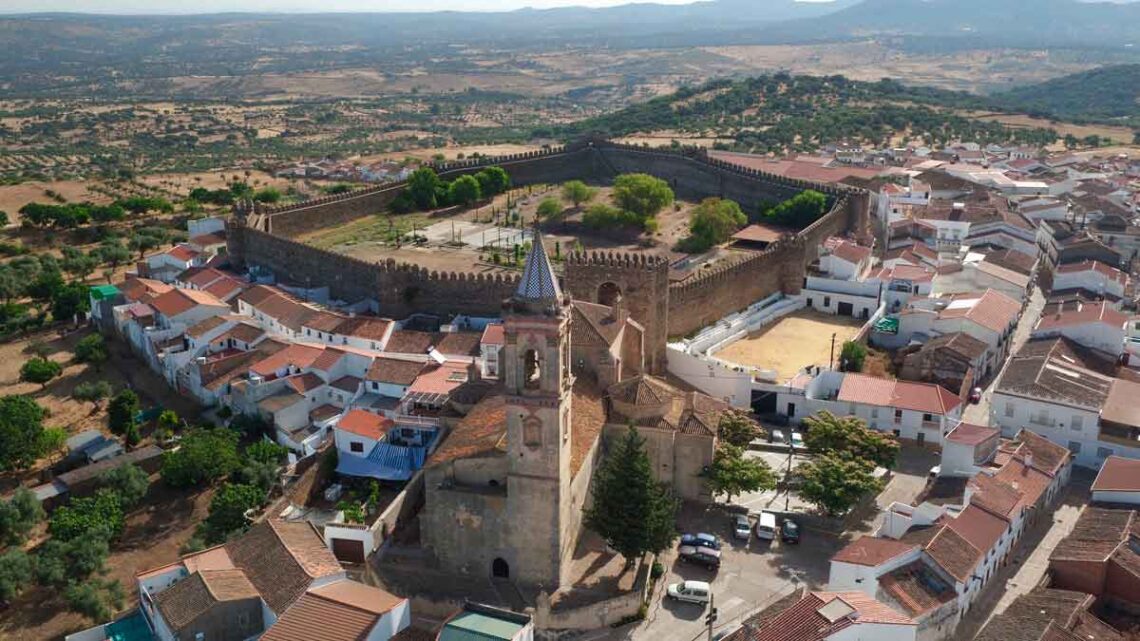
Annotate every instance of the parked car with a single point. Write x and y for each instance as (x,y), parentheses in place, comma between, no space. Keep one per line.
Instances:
(766,526)
(797,440)
(701,539)
(707,557)
(789,531)
(777,436)
(975,396)
(690,591)
(741,527)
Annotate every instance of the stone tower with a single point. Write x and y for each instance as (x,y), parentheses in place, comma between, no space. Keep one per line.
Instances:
(640,281)
(536,372)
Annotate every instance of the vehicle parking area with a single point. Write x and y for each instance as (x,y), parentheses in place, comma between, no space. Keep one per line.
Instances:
(752,575)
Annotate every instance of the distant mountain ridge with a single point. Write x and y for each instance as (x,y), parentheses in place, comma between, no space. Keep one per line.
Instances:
(1101,94)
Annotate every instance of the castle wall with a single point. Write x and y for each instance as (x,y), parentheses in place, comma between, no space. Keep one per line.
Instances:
(401,289)
(664,310)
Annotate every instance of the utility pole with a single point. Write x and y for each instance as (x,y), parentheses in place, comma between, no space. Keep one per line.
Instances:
(788,476)
(833,350)
(710,619)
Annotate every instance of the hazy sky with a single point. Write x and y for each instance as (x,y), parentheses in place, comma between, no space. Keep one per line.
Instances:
(210,6)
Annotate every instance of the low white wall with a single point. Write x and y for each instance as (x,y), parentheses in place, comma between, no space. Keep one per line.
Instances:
(712,376)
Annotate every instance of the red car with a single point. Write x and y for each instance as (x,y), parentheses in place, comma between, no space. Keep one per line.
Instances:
(975,396)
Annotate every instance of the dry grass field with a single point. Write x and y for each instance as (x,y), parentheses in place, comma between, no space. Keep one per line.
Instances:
(1121,135)
(793,342)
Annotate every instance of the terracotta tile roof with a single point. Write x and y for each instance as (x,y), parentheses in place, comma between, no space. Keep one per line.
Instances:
(906,395)
(913,273)
(201,278)
(1118,474)
(198,330)
(1048,457)
(341,611)
(761,233)
(143,289)
(1121,406)
(182,603)
(970,434)
(953,553)
(459,343)
(439,379)
(225,287)
(1031,482)
(256,295)
(1037,616)
(281,559)
(364,327)
(594,319)
(296,354)
(184,253)
(483,431)
(365,423)
(324,412)
(280,400)
(209,240)
(324,321)
(959,343)
(981,528)
(849,251)
(178,301)
(917,588)
(642,390)
(587,420)
(872,551)
(820,615)
(1084,313)
(304,383)
(328,359)
(347,383)
(493,334)
(993,310)
(394,371)
(1057,370)
(1094,266)
(410,341)
(244,332)
(994,495)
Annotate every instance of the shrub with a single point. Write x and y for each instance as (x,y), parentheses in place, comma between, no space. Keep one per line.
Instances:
(40,370)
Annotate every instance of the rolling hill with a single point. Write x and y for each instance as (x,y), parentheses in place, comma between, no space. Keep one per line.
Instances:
(1104,94)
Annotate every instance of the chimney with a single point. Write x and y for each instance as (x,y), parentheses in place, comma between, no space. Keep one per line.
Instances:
(1028,459)
(618,311)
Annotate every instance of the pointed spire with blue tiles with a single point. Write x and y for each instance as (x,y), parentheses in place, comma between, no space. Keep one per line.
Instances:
(538,280)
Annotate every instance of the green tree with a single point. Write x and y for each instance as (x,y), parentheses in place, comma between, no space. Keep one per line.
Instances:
(21,427)
(266,452)
(122,411)
(800,210)
(736,428)
(603,216)
(91,349)
(852,356)
(850,437)
(4,219)
(464,191)
(60,561)
(228,510)
(732,474)
(578,192)
(93,392)
(129,482)
(630,510)
(101,515)
(113,253)
(205,455)
(40,370)
(836,484)
(423,185)
(642,194)
(95,598)
(268,195)
(493,181)
(52,441)
(19,516)
(549,209)
(69,300)
(712,223)
(16,572)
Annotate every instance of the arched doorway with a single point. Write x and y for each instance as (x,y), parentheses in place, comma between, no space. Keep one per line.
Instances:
(608,294)
(500,569)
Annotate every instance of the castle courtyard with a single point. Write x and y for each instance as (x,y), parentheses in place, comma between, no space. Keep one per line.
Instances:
(796,341)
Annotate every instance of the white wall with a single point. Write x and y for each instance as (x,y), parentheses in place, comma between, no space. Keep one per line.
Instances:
(875,632)
(1116,497)
(828,302)
(733,385)
(344,439)
(1090,280)
(862,578)
(391,622)
(1051,420)
(1097,335)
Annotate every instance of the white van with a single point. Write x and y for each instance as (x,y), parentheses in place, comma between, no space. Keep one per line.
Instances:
(691,591)
(766,526)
